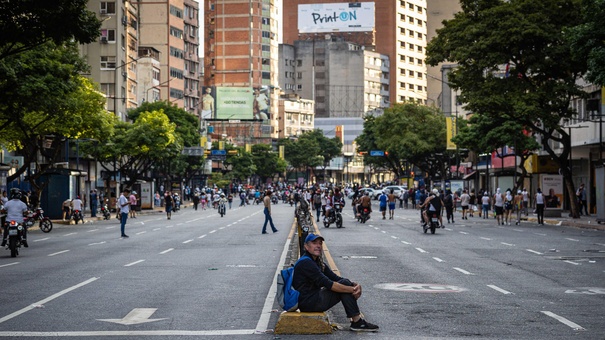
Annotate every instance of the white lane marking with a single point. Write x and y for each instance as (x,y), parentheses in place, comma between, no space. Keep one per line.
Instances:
(421,250)
(141,232)
(600,244)
(57,253)
(486,238)
(69,234)
(563,320)
(124,334)
(135,317)
(571,262)
(202,236)
(133,263)
(188,241)
(462,232)
(519,230)
(376,228)
(221,228)
(111,227)
(197,219)
(449,229)
(499,289)
(169,226)
(180,223)
(395,237)
(507,244)
(383,231)
(90,231)
(404,242)
(463,271)
(9,264)
(48,299)
(97,243)
(540,234)
(166,251)
(533,251)
(438,259)
(572,239)
(42,239)
(265,315)
(213,231)
(156,229)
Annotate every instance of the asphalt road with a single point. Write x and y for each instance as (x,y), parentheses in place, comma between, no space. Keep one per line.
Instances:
(200,275)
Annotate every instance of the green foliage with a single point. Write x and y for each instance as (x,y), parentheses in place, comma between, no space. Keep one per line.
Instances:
(266,162)
(27,24)
(186,124)
(406,131)
(242,165)
(588,39)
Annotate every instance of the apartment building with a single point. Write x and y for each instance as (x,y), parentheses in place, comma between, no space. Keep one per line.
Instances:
(241,50)
(342,78)
(113,58)
(400,33)
(172,28)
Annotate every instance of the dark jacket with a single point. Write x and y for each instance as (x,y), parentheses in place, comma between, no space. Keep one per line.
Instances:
(309,278)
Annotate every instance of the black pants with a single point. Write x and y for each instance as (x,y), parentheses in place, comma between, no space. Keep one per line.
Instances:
(324,299)
(540,213)
(449,211)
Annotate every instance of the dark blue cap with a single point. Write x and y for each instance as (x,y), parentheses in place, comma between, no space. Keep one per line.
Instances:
(312,237)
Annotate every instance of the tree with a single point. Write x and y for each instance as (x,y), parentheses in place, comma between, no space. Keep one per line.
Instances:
(242,165)
(45,100)
(27,24)
(588,39)
(329,148)
(303,153)
(187,128)
(515,63)
(405,132)
(266,162)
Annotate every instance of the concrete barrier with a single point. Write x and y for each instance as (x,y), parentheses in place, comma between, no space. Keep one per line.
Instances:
(303,323)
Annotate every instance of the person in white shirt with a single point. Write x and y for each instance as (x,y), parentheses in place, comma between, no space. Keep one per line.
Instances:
(76,205)
(14,212)
(124,205)
(540,206)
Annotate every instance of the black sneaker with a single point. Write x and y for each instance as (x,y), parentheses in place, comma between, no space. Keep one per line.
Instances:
(363,326)
(3,243)
(24,242)
(124,236)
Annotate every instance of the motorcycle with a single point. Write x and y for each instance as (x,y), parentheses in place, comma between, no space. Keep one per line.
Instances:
(335,216)
(15,237)
(77,216)
(222,209)
(274,199)
(105,212)
(433,222)
(364,215)
(257,200)
(46,225)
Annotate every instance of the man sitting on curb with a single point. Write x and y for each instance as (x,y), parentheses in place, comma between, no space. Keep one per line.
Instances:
(320,288)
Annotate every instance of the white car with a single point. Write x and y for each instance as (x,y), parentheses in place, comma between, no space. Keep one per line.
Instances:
(373,193)
(397,189)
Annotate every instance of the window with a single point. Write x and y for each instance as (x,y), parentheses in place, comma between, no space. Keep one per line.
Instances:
(133,88)
(410,20)
(299,87)
(411,6)
(419,9)
(266,34)
(419,48)
(265,21)
(266,75)
(419,35)
(419,75)
(175,52)
(419,22)
(419,61)
(108,8)
(411,60)
(411,86)
(174,93)
(418,87)
(108,89)
(299,75)
(176,73)
(175,32)
(411,73)
(108,62)
(299,62)
(109,35)
(266,48)
(410,33)
(411,46)
(177,12)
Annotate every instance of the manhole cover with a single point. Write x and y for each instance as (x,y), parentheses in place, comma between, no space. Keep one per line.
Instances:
(420,287)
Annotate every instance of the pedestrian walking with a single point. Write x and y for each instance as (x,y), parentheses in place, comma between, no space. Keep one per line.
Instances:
(230,200)
(472,203)
(465,199)
(539,199)
(391,198)
(518,205)
(525,195)
(485,202)
(581,194)
(124,204)
(196,200)
(508,206)
(169,203)
(448,203)
(133,203)
(499,206)
(94,201)
(383,204)
(267,211)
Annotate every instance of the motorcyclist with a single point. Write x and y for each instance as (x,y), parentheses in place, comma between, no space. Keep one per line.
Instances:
(433,203)
(76,205)
(365,202)
(329,206)
(15,208)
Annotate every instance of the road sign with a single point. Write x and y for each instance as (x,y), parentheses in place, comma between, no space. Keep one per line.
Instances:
(377,153)
(218,157)
(218,152)
(193,151)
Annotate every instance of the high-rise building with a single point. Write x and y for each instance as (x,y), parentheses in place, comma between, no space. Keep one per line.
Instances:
(241,49)
(400,33)
(172,28)
(113,58)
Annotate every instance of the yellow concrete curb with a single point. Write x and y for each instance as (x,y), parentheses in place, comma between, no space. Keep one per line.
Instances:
(303,323)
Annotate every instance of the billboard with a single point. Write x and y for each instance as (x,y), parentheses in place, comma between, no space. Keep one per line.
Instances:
(336,17)
(552,189)
(235,103)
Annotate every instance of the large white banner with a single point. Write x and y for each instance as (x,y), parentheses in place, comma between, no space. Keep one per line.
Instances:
(336,17)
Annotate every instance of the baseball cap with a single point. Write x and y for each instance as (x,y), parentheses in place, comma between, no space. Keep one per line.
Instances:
(312,237)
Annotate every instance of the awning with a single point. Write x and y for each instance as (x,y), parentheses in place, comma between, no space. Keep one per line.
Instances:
(470,176)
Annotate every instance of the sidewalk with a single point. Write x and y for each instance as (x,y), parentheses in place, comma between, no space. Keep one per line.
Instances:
(99,217)
(585,222)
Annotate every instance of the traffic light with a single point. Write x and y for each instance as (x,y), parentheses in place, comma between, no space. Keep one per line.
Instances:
(362,153)
(386,154)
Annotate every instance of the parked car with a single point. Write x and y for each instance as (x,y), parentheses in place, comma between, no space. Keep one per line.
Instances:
(373,193)
(397,189)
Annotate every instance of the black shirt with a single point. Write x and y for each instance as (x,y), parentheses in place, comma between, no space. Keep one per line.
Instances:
(309,278)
